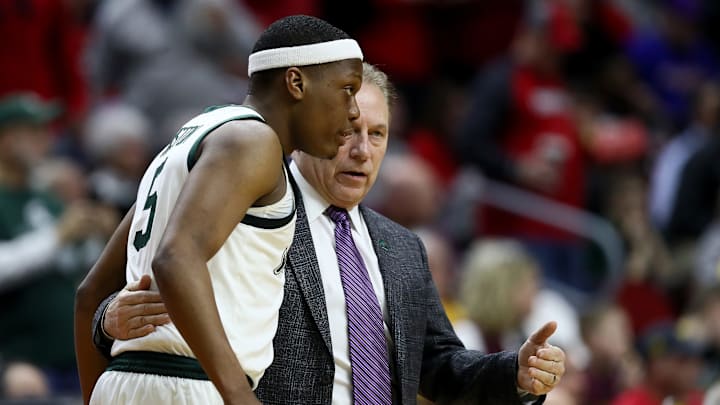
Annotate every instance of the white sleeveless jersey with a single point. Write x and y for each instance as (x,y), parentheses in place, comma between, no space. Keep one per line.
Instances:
(247,272)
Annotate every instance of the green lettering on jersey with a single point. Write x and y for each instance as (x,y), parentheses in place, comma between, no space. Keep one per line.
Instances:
(183,134)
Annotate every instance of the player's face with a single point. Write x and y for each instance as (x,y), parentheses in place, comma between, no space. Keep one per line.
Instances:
(330,108)
(346,179)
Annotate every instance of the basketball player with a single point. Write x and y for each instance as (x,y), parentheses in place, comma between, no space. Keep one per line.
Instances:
(213,221)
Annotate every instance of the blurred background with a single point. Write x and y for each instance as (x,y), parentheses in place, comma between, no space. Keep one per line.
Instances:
(559,158)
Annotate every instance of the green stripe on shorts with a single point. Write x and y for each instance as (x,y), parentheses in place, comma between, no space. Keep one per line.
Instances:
(170,365)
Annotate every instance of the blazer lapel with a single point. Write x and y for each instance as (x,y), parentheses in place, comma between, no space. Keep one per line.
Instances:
(391,272)
(302,262)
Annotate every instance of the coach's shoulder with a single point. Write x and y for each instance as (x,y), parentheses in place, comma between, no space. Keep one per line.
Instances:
(379,222)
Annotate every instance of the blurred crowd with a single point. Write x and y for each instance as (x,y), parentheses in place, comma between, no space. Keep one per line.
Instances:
(559,158)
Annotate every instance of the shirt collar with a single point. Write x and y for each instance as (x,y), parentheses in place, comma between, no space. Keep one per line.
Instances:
(315,204)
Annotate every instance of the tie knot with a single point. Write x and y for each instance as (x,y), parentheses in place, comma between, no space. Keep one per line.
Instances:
(338,215)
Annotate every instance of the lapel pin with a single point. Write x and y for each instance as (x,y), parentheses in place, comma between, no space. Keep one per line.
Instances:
(383,244)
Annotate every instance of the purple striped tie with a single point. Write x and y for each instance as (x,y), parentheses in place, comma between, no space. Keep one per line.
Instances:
(366,334)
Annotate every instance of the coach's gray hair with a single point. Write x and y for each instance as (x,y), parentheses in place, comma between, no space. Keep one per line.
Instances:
(373,75)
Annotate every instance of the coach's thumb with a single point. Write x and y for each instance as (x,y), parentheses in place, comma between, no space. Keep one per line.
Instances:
(142,284)
(543,334)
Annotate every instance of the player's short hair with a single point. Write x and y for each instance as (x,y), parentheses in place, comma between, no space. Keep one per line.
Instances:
(298,30)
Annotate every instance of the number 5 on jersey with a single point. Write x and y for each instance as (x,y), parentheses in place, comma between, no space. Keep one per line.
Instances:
(142,237)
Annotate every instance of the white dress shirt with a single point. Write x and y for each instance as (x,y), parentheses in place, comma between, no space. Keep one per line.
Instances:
(322,229)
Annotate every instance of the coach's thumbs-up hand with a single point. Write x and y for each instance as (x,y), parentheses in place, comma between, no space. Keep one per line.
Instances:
(540,364)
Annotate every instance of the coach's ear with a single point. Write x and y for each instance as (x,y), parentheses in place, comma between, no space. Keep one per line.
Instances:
(295,81)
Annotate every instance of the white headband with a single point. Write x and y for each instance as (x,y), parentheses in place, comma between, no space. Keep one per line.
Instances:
(303,55)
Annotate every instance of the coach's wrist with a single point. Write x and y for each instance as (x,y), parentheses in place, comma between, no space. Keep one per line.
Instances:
(102,341)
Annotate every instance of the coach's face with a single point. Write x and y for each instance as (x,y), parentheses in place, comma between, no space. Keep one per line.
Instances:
(346,179)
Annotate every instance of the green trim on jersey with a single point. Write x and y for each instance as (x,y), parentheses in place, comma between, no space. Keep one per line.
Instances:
(267,223)
(192,155)
(274,223)
(215,107)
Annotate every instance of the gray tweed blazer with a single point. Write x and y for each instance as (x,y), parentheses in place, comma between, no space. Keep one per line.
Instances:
(427,357)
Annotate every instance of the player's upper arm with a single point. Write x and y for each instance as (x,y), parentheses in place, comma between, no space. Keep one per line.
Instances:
(238,163)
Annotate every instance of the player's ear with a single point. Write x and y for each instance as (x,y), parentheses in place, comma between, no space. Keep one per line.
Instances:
(296,82)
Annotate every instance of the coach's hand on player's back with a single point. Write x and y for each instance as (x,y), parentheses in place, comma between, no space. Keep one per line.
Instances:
(540,364)
(135,312)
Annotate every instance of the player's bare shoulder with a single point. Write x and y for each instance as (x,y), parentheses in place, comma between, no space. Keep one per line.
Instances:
(249,151)
(251,138)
